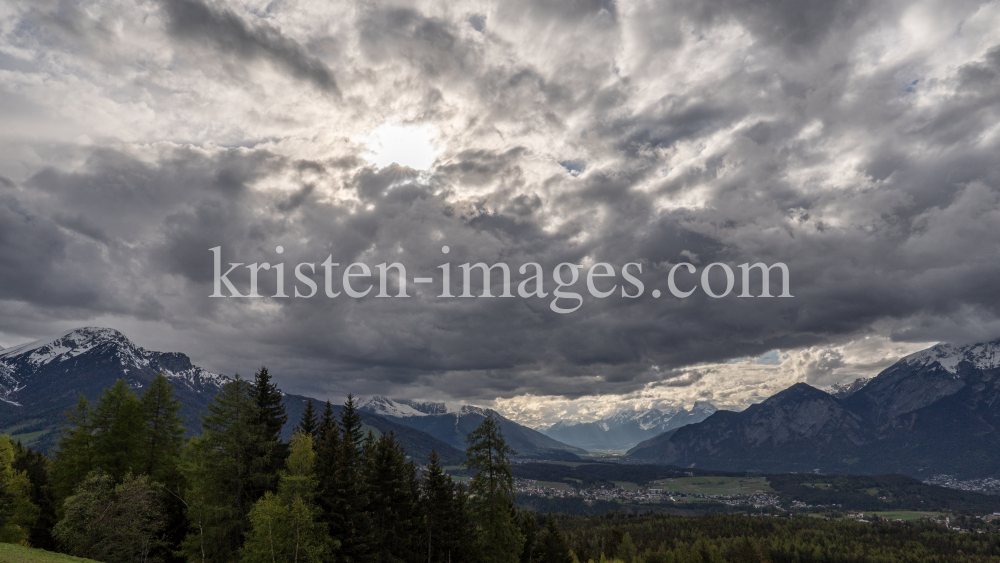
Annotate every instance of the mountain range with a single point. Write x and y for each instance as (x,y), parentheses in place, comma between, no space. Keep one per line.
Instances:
(41,380)
(934,412)
(451,423)
(626,428)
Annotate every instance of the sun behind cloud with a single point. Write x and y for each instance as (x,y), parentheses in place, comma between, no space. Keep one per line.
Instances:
(413,146)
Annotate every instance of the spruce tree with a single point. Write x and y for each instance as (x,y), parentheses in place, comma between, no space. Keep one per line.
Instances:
(328,460)
(160,453)
(309,423)
(74,455)
(350,524)
(271,418)
(118,429)
(445,521)
(553,547)
(163,435)
(327,421)
(270,408)
(352,429)
(528,524)
(493,493)
(392,501)
(226,471)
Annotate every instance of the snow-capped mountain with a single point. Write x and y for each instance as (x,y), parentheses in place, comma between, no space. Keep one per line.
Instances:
(19,365)
(452,422)
(933,412)
(845,390)
(982,356)
(627,428)
(41,380)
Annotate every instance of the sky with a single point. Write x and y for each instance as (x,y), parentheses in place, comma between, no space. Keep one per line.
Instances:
(854,141)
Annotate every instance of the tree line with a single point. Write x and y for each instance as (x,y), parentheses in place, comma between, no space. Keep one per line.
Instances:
(124,485)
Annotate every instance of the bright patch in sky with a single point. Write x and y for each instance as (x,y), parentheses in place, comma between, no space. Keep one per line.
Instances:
(407,145)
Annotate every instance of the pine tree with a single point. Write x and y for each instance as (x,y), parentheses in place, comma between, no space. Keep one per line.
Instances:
(327,421)
(309,423)
(271,418)
(445,520)
(118,431)
(270,408)
(328,460)
(392,501)
(553,547)
(493,493)
(160,453)
(354,531)
(528,524)
(225,471)
(74,456)
(164,436)
(352,429)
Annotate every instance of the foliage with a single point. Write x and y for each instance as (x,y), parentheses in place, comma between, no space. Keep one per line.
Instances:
(309,423)
(742,538)
(554,548)
(114,523)
(226,471)
(493,493)
(17,512)
(36,467)
(284,526)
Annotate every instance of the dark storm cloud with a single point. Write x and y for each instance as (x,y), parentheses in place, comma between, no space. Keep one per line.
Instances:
(225,30)
(779,149)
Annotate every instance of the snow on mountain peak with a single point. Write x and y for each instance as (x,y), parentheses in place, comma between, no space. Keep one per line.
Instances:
(983,356)
(704,406)
(384,406)
(65,345)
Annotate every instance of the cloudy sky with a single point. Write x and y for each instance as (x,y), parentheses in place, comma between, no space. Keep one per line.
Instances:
(858,142)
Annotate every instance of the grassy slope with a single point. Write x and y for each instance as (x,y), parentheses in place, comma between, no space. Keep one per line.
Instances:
(16,554)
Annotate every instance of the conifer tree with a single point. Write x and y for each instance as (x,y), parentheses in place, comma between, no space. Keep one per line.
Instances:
(309,423)
(327,421)
(493,493)
(74,456)
(354,532)
(226,471)
(553,547)
(528,524)
(444,519)
(163,434)
(271,418)
(118,430)
(328,461)
(393,501)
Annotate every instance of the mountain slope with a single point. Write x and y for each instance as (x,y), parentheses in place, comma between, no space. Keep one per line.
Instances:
(41,380)
(937,411)
(452,423)
(627,428)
